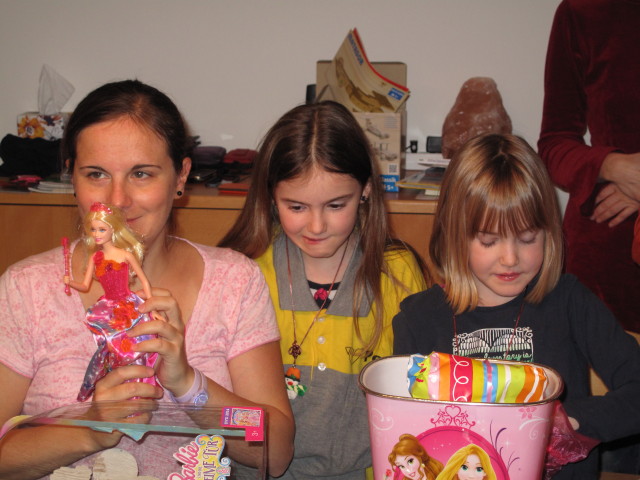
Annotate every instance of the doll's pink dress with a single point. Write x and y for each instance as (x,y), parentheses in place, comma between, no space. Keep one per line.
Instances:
(109,319)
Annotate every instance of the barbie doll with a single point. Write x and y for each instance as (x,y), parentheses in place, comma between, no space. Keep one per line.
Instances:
(115,257)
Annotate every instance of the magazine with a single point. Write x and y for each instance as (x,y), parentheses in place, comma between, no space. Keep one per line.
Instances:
(357,85)
(429,181)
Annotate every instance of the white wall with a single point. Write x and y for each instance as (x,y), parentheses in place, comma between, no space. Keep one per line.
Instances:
(234,66)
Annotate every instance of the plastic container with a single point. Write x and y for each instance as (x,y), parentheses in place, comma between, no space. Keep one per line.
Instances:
(514,436)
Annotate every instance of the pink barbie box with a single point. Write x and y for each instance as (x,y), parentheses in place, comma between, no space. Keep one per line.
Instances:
(508,440)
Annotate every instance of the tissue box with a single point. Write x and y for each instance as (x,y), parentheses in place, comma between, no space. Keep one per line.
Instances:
(49,127)
(386,131)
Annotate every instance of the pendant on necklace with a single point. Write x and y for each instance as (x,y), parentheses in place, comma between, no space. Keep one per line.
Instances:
(292,381)
(295,351)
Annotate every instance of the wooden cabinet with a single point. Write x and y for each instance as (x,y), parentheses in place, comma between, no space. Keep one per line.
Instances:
(35,222)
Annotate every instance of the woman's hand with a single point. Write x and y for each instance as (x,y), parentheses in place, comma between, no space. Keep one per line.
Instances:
(613,205)
(624,171)
(121,385)
(172,369)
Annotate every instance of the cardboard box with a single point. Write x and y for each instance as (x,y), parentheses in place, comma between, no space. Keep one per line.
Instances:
(387,132)
(49,127)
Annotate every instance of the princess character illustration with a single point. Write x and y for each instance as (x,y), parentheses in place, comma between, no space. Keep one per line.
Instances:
(469,463)
(115,258)
(409,457)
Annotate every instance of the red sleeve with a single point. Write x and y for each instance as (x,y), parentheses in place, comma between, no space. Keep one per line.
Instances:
(635,248)
(572,164)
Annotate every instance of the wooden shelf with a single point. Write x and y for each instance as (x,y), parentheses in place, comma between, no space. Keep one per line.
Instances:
(35,222)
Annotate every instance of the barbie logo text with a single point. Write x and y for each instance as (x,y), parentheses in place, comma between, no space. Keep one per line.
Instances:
(201,460)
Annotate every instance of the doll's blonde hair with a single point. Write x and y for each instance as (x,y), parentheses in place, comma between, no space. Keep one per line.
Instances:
(122,236)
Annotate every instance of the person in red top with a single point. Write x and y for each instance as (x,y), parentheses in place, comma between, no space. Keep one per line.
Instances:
(635,249)
(591,84)
(592,79)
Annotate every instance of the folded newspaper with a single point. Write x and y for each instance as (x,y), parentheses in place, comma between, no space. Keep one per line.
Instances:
(357,85)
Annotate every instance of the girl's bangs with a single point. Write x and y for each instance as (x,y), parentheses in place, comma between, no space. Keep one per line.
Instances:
(513,213)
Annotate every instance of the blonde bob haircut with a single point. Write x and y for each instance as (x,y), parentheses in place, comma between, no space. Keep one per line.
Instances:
(494,183)
(122,237)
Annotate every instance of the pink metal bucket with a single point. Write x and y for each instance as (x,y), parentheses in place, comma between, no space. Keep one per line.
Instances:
(504,441)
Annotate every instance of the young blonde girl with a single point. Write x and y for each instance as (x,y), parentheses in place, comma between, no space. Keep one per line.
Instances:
(315,222)
(497,245)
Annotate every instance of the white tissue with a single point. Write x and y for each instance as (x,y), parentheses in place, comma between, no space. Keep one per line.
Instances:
(53,92)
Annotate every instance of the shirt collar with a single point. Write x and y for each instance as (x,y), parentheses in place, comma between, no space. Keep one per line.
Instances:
(342,303)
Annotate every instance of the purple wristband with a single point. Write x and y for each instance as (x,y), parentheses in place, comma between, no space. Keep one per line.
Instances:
(197,394)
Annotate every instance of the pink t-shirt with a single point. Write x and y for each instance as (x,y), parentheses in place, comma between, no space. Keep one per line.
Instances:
(43,335)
